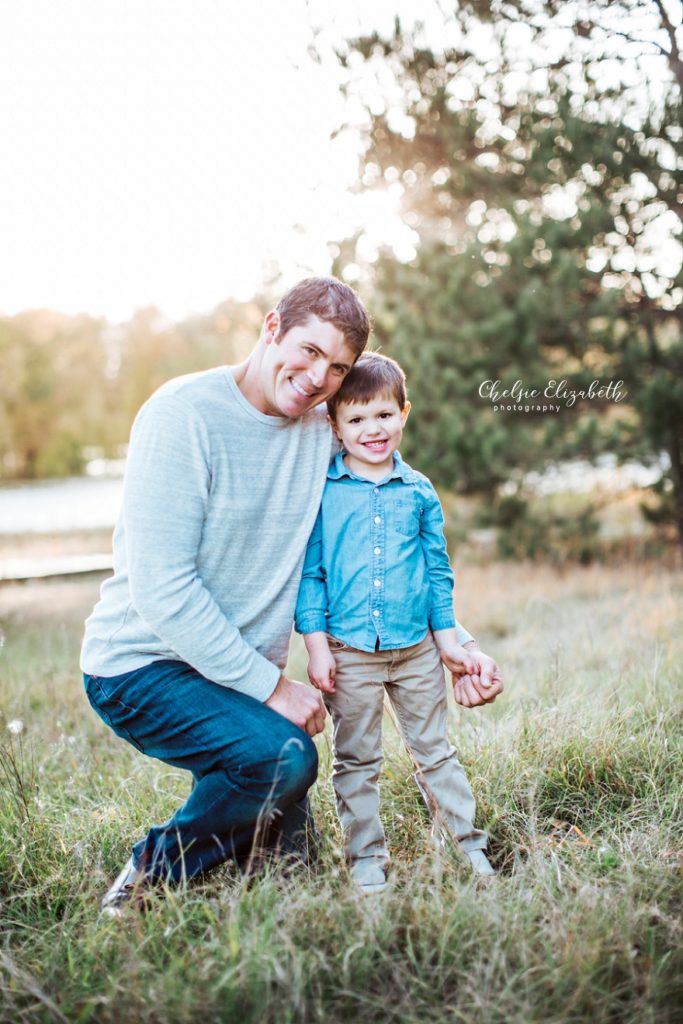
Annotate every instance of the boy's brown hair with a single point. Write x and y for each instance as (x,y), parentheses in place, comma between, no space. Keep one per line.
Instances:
(331,301)
(371,376)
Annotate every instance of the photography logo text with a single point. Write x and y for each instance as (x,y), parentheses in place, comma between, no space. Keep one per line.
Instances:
(556,395)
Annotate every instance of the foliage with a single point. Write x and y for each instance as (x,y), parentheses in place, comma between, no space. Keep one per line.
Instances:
(50,392)
(537,149)
(575,773)
(525,532)
(69,383)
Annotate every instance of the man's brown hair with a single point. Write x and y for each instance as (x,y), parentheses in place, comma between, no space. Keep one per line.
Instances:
(331,301)
(372,376)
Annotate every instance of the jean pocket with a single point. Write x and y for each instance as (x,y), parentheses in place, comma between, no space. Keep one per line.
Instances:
(114,713)
(335,644)
(96,697)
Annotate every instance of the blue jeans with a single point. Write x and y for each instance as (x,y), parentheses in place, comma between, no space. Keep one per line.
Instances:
(252,767)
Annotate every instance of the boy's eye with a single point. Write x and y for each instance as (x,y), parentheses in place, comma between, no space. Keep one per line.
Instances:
(355,419)
(385,415)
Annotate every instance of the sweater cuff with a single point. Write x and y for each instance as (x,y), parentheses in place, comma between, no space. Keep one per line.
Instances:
(462,636)
(261,680)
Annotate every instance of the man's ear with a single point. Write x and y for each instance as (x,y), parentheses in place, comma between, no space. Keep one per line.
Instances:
(271,326)
(404,413)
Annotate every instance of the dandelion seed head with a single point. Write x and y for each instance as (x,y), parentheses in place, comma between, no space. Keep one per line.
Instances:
(16,726)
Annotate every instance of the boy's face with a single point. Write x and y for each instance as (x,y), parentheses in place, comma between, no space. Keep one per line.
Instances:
(370,432)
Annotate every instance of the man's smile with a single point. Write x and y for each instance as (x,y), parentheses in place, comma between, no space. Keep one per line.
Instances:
(300,390)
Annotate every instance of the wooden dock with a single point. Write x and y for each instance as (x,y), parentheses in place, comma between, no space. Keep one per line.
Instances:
(16,570)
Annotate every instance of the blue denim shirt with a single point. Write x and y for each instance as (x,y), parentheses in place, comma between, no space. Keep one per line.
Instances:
(376,563)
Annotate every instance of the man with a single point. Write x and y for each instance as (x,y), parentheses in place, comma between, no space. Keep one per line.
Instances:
(183,654)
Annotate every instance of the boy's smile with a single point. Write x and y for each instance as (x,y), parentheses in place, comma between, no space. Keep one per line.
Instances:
(370,433)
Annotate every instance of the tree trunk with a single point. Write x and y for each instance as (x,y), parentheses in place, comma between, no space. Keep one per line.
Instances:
(676,457)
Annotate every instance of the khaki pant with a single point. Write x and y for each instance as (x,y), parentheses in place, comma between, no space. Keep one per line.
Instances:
(414,680)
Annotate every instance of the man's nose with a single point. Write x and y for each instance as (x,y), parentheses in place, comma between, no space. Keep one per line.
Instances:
(317,373)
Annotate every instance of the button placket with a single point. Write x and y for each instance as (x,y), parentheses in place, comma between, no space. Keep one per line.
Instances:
(377,544)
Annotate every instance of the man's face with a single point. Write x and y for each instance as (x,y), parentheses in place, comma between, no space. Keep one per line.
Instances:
(302,369)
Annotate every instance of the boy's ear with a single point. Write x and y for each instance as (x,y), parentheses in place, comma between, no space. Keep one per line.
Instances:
(333,425)
(404,412)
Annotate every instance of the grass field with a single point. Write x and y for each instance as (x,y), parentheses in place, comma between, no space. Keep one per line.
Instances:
(577,770)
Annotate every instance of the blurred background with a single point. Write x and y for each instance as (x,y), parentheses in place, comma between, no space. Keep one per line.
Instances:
(502,181)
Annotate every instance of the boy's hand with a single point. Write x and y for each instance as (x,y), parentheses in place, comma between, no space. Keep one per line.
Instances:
(457,660)
(321,669)
(321,664)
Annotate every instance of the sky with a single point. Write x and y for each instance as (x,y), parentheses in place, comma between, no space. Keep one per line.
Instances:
(171,153)
(167,153)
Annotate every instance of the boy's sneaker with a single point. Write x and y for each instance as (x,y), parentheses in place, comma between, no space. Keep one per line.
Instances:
(480,864)
(127,891)
(368,876)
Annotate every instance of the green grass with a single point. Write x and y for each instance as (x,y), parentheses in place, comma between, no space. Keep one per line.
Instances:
(577,771)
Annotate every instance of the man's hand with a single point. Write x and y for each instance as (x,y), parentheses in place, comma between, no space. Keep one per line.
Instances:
(480,686)
(299,704)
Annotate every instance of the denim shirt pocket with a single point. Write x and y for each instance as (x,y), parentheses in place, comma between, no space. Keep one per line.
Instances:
(406,516)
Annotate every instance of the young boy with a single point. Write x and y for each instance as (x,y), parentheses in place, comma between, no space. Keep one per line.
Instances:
(375,607)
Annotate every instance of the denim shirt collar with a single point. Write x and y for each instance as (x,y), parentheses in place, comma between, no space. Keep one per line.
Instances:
(401,471)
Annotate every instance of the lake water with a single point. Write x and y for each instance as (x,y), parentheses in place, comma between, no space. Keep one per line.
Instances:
(60,506)
(93,502)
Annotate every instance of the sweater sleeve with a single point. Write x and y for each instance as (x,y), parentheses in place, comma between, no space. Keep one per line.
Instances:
(166,494)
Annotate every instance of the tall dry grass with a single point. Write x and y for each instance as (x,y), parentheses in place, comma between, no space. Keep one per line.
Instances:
(577,770)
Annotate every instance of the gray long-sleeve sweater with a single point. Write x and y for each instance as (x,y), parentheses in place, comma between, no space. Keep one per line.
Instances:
(219,501)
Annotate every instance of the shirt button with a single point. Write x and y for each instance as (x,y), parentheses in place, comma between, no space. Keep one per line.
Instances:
(378,583)
(376,490)
(375,613)
(377,551)
(378,519)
